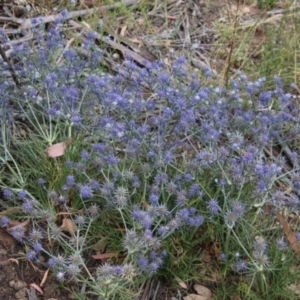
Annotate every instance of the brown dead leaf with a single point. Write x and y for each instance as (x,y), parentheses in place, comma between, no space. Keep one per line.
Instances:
(69,225)
(58,149)
(195,297)
(14,260)
(244,10)
(203,291)
(44,277)
(171,17)
(35,286)
(104,255)
(87,25)
(100,246)
(205,256)
(140,21)
(136,41)
(181,283)
(123,30)
(17,223)
(168,42)
(289,233)
(9,210)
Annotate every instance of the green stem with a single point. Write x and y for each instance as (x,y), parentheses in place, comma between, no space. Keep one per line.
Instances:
(227,240)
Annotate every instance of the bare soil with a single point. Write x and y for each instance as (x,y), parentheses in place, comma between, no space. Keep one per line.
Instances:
(17,275)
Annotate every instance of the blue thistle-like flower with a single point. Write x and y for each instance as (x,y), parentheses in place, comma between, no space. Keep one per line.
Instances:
(163,230)
(195,221)
(174,224)
(93,210)
(22,195)
(239,266)
(7,193)
(70,180)
(281,244)
(41,181)
(238,208)
(60,276)
(4,221)
(223,256)
(73,270)
(37,247)
(52,262)
(153,198)
(230,218)
(27,206)
(18,233)
(264,97)
(213,206)
(75,259)
(85,191)
(80,220)
(31,255)
(260,244)
(142,263)
(162,211)
(181,198)
(35,235)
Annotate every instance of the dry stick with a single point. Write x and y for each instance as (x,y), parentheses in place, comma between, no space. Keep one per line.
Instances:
(10,67)
(28,23)
(231,46)
(69,43)
(141,60)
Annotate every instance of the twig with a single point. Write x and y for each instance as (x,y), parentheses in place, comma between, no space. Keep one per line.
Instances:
(126,51)
(231,47)
(28,23)
(69,43)
(10,67)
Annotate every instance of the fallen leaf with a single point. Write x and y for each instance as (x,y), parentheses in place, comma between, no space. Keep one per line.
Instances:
(171,17)
(181,283)
(289,234)
(14,260)
(58,149)
(104,255)
(9,210)
(259,239)
(203,291)
(136,41)
(17,223)
(242,10)
(86,24)
(35,286)
(44,277)
(69,225)
(123,30)
(195,297)
(205,256)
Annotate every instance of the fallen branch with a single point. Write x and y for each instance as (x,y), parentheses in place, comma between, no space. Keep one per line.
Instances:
(10,67)
(33,22)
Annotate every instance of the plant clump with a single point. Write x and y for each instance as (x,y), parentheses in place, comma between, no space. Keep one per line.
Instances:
(153,162)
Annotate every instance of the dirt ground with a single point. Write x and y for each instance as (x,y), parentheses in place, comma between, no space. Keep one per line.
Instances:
(17,275)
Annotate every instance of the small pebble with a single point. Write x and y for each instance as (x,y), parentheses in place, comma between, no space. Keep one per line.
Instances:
(21,293)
